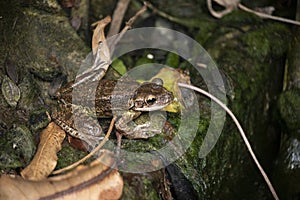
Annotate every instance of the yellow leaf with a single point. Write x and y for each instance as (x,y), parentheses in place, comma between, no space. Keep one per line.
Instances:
(171,77)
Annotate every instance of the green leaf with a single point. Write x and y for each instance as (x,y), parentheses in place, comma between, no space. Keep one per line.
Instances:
(119,66)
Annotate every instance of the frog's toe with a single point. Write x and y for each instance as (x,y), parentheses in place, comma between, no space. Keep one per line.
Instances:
(144,126)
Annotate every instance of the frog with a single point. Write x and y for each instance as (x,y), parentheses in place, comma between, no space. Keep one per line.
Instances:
(124,99)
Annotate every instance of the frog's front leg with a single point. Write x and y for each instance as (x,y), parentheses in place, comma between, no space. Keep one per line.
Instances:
(133,131)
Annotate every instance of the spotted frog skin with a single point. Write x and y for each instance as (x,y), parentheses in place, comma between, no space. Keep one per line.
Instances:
(125,100)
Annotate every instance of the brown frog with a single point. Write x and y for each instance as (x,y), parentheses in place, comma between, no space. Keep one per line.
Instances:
(124,99)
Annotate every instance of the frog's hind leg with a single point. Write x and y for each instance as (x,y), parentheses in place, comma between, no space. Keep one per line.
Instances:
(79,125)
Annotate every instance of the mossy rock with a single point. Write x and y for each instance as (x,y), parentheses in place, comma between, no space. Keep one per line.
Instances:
(289,106)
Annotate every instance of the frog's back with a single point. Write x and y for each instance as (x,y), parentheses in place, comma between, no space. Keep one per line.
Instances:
(108,92)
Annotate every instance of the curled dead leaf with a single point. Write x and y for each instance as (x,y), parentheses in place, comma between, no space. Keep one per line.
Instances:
(95,181)
(45,158)
(98,35)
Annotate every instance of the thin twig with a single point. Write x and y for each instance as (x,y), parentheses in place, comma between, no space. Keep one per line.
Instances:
(119,141)
(165,15)
(118,17)
(263,15)
(263,173)
(127,26)
(91,153)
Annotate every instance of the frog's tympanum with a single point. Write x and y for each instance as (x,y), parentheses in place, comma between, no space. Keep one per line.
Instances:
(124,99)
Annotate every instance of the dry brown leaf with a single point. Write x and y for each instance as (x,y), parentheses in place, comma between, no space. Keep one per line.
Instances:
(96,181)
(98,35)
(45,158)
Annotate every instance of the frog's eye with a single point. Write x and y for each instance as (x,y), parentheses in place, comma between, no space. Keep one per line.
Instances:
(151,99)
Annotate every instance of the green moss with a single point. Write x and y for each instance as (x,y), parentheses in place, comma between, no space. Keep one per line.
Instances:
(68,155)
(205,31)
(240,18)
(52,43)
(257,45)
(269,39)
(190,165)
(248,51)
(289,106)
(30,93)
(150,192)
(138,187)
(16,147)
(21,140)
(9,160)
(172,60)
(8,157)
